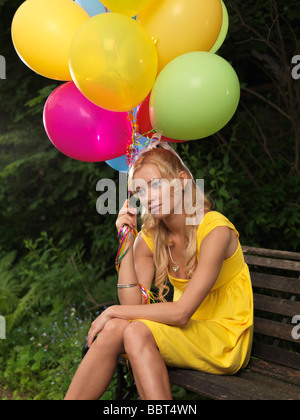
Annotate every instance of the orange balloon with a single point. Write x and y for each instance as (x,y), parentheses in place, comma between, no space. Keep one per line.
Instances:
(182,26)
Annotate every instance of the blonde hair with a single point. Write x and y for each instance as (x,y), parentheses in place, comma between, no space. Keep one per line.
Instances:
(169,165)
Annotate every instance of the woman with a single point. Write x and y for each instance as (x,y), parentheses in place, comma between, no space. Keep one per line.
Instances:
(208,325)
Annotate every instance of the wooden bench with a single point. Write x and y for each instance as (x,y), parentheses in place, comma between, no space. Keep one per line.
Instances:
(273,372)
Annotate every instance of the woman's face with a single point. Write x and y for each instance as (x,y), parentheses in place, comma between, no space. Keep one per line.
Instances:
(160,196)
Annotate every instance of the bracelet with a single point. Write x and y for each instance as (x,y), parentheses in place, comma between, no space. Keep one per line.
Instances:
(126,286)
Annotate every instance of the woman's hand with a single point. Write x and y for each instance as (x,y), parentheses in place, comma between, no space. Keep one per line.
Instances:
(126,216)
(98,325)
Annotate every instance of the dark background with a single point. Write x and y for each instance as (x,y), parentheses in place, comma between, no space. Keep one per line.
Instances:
(57,253)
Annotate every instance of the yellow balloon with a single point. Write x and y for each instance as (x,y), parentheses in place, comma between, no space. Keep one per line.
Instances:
(42,32)
(182,26)
(126,7)
(113,61)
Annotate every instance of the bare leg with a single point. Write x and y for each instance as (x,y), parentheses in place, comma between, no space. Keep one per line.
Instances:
(96,370)
(150,372)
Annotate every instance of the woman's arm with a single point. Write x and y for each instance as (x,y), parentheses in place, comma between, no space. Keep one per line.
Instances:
(213,252)
(137,265)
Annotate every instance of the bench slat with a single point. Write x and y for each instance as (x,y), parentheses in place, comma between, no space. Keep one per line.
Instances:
(277,355)
(277,283)
(269,384)
(272,253)
(275,371)
(242,386)
(276,305)
(272,263)
(273,329)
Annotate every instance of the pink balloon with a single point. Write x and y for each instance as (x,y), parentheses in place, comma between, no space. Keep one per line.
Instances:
(82,130)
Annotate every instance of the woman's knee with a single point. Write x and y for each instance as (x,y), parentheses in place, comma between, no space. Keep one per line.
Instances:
(112,332)
(137,337)
(115,326)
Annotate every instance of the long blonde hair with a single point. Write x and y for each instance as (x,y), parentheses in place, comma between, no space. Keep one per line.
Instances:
(169,165)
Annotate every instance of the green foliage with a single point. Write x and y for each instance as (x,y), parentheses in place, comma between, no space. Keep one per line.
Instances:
(43,359)
(48,298)
(48,279)
(262,206)
(10,287)
(39,187)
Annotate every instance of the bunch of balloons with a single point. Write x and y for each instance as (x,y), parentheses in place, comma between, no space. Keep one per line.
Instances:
(155,56)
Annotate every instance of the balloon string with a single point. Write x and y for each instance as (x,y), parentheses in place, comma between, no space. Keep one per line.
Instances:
(148,132)
(132,148)
(149,297)
(128,234)
(125,243)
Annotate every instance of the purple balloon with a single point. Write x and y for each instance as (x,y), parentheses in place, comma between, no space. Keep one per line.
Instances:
(82,130)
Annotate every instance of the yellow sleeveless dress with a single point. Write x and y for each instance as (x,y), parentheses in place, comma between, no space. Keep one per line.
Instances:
(218,337)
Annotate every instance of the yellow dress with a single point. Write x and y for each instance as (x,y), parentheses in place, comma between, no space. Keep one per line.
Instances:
(218,337)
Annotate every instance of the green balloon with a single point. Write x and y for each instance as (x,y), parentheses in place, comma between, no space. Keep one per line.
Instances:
(224,30)
(194,96)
